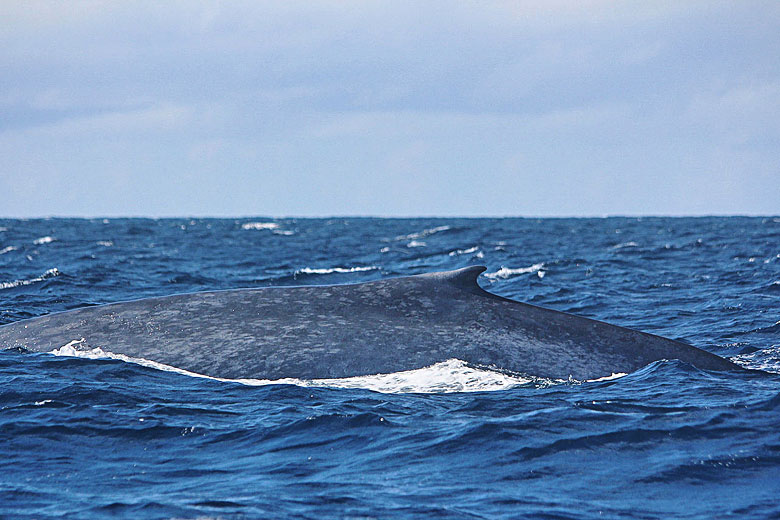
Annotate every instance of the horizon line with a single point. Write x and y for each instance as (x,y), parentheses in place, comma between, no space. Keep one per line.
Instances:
(389,217)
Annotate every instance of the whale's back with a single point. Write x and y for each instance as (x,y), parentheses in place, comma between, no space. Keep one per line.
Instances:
(336,331)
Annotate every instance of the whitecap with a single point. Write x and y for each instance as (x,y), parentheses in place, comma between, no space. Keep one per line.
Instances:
(766,359)
(623,245)
(50,273)
(7,250)
(329,270)
(424,233)
(416,243)
(468,251)
(260,225)
(615,375)
(506,272)
(448,376)
(105,243)
(283,232)
(43,240)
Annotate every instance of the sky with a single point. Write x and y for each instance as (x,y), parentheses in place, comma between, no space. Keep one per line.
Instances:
(450,108)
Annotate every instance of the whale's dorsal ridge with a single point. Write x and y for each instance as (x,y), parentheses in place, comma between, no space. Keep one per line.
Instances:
(464,278)
(384,326)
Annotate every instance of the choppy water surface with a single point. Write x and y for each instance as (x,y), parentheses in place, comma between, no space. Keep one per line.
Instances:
(94,437)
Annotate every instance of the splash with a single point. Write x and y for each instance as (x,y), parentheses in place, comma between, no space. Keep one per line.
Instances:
(50,273)
(624,245)
(424,233)
(452,375)
(329,270)
(506,272)
(260,225)
(766,359)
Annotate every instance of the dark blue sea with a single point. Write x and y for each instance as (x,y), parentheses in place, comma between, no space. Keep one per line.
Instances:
(106,438)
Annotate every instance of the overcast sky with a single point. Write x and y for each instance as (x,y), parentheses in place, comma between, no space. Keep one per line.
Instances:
(392,108)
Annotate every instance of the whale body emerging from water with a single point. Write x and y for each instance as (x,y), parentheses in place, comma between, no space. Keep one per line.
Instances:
(338,331)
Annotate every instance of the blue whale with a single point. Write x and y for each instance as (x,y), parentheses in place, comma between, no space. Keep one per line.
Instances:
(338,331)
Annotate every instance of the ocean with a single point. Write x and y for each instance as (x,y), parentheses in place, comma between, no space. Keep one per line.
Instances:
(90,436)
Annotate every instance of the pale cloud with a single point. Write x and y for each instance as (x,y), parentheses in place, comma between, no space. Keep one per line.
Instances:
(146,120)
(367,107)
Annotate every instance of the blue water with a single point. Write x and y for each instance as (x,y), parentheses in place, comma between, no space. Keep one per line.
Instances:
(97,438)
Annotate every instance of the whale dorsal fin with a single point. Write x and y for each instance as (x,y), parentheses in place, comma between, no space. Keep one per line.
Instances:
(464,278)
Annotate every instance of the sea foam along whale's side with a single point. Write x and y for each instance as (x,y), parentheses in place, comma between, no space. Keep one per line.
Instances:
(383,326)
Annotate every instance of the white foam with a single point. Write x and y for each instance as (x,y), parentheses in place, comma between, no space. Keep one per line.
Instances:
(105,243)
(50,273)
(625,244)
(766,359)
(7,250)
(328,270)
(282,232)
(424,233)
(506,272)
(615,375)
(260,225)
(468,251)
(416,243)
(448,376)
(43,240)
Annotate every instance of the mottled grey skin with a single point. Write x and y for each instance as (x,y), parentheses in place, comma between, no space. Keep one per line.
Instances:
(348,330)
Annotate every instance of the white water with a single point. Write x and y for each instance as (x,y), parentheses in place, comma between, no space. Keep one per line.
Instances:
(50,273)
(260,225)
(506,272)
(452,375)
(329,270)
(424,233)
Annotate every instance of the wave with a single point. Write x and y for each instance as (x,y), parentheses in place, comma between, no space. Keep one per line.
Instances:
(43,240)
(506,272)
(766,359)
(260,225)
(468,251)
(273,227)
(104,243)
(50,273)
(424,233)
(416,243)
(329,270)
(448,376)
(7,249)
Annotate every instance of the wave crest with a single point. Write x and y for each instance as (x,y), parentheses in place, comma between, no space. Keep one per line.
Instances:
(506,272)
(329,270)
(49,273)
(452,375)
